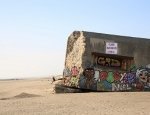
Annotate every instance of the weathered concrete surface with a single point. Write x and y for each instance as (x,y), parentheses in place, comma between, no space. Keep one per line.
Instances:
(81,44)
(75,50)
(127,46)
(87,66)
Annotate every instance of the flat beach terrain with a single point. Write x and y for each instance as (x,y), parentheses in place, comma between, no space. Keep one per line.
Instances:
(36,97)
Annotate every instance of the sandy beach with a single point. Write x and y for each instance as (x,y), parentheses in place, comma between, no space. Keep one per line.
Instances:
(36,97)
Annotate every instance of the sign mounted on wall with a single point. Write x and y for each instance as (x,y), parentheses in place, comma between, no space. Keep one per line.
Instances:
(111,48)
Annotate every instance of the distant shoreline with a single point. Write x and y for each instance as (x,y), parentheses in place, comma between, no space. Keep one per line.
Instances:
(11,79)
(30,78)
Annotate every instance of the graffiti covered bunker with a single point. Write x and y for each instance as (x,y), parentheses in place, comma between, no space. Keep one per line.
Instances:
(104,62)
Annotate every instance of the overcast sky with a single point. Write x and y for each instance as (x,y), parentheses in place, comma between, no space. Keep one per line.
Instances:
(33,33)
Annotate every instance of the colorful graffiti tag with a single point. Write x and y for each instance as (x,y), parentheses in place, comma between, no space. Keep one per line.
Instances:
(71,76)
(108,62)
(88,80)
(137,80)
(123,64)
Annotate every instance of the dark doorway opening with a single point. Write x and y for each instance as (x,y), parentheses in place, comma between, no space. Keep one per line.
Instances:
(118,62)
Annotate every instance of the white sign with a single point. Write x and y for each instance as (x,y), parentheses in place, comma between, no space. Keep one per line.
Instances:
(111,48)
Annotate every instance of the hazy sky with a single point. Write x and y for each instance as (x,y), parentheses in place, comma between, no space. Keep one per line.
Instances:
(33,33)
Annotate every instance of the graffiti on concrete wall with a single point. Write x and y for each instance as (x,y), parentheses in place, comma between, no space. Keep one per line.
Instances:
(106,61)
(137,80)
(74,71)
(121,63)
(89,78)
(71,77)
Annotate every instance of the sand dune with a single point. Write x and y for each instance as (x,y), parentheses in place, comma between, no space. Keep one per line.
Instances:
(21,95)
(35,97)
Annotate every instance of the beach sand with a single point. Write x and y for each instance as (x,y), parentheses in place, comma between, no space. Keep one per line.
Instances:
(36,97)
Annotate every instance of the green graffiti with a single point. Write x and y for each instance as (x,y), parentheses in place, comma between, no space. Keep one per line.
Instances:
(133,68)
(110,77)
(74,82)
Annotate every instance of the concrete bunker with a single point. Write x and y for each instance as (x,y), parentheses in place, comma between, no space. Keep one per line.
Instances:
(104,62)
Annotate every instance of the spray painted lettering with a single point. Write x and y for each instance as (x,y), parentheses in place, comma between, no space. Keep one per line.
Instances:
(105,61)
(137,80)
